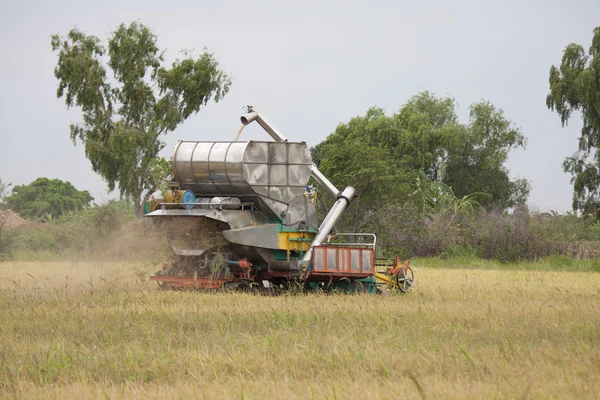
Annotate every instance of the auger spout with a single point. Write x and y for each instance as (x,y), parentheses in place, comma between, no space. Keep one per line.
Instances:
(254,115)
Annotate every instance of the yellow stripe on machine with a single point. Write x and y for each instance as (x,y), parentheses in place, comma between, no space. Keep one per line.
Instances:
(299,241)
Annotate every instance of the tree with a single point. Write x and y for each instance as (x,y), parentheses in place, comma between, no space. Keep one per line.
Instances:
(159,174)
(125,118)
(447,201)
(425,128)
(370,171)
(47,197)
(476,159)
(350,156)
(575,86)
(437,197)
(424,141)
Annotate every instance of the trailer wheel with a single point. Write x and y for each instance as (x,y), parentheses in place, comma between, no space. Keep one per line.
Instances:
(406,280)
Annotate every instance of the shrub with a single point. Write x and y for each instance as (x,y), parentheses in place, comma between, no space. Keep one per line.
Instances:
(108,231)
(489,234)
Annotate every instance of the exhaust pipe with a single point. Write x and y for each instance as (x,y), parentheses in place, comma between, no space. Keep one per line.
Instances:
(254,115)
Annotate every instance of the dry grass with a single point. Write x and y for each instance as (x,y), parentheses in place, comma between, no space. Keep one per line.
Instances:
(72,330)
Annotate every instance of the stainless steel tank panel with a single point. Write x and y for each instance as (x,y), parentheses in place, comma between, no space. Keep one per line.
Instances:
(254,115)
(275,170)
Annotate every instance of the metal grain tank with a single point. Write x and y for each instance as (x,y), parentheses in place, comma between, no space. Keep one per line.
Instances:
(272,173)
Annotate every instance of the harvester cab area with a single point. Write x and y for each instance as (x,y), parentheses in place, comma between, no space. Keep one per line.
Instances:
(239,214)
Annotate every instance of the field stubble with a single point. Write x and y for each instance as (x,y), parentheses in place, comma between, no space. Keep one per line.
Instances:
(81,330)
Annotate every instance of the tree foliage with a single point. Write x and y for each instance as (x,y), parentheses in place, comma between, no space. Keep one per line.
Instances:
(478,153)
(124,117)
(575,86)
(159,174)
(391,159)
(369,170)
(47,197)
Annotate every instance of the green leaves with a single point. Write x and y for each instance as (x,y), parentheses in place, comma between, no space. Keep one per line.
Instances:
(191,83)
(124,118)
(133,53)
(45,197)
(424,141)
(370,170)
(436,197)
(421,163)
(447,201)
(575,85)
(477,156)
(81,76)
(160,173)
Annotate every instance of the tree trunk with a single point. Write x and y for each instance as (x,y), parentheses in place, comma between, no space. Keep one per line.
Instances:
(138,207)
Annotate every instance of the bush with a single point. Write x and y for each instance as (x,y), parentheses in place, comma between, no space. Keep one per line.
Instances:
(111,231)
(489,234)
(108,231)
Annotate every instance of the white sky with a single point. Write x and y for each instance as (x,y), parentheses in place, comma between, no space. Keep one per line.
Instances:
(307,66)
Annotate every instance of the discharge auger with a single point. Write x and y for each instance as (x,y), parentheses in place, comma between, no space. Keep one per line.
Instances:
(239,214)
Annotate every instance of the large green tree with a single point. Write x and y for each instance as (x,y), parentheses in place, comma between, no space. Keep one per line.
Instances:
(126,115)
(575,86)
(424,141)
(478,154)
(45,197)
(351,156)
(371,171)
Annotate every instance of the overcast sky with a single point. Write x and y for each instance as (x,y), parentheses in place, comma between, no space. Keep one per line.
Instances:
(307,66)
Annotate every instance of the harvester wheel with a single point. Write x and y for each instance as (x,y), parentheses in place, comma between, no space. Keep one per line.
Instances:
(405,280)
(244,287)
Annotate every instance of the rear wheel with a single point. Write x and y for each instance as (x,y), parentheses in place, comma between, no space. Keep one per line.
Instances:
(405,280)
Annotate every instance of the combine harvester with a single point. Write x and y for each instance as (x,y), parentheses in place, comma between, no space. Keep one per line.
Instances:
(240,215)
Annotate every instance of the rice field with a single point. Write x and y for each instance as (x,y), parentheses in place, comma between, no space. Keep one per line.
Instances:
(89,330)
